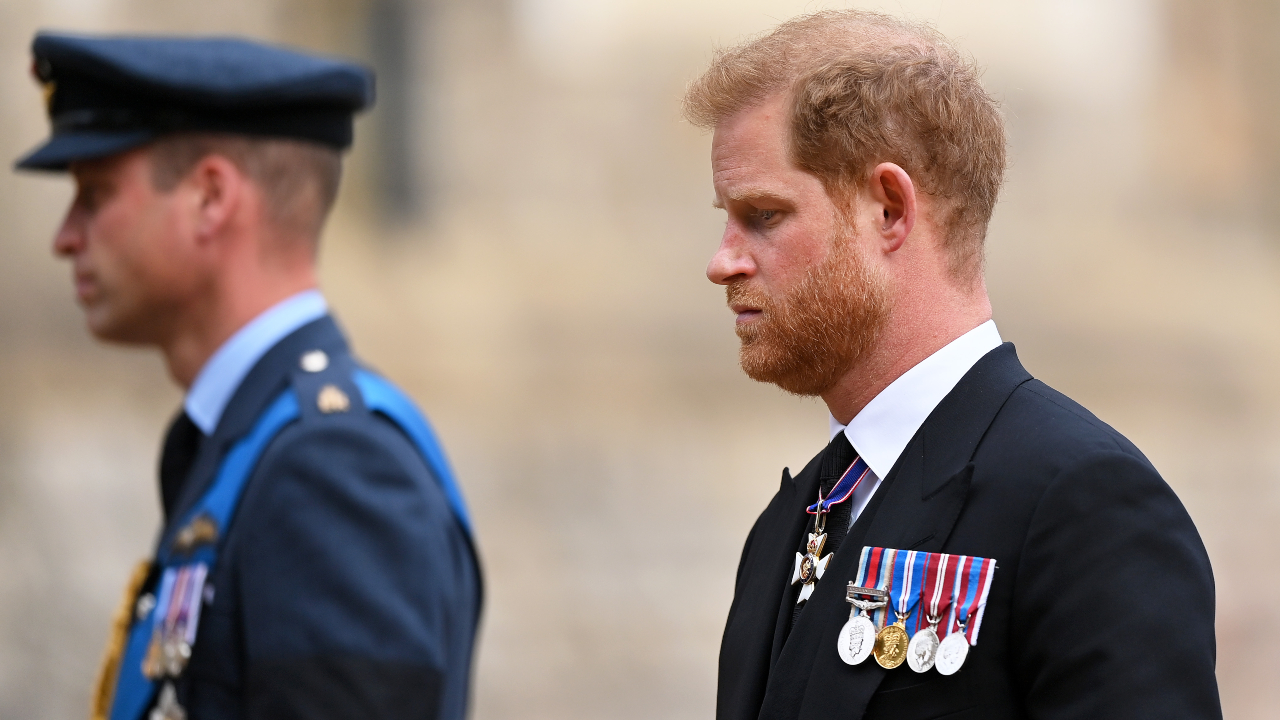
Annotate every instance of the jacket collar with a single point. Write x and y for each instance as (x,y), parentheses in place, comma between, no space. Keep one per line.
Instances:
(226,369)
(884,428)
(269,377)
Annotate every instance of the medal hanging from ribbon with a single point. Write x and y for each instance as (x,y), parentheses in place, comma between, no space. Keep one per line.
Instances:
(935,600)
(811,565)
(904,594)
(940,598)
(858,636)
(174,621)
(969,600)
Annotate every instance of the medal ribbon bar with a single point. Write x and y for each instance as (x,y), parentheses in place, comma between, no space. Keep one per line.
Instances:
(953,588)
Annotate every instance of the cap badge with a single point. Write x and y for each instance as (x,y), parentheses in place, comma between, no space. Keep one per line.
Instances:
(332,400)
(42,71)
(49,88)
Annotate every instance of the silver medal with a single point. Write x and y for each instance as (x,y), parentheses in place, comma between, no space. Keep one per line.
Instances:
(857,637)
(167,706)
(952,651)
(923,650)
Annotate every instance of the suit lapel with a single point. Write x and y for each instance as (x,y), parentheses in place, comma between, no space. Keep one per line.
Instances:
(796,522)
(915,508)
(751,642)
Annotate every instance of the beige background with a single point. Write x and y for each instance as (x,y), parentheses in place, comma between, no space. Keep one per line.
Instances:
(544,299)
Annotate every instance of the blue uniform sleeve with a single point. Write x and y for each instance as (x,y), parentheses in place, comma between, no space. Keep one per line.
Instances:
(357,586)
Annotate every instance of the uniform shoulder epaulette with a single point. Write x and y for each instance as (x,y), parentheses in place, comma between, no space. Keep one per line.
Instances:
(325,385)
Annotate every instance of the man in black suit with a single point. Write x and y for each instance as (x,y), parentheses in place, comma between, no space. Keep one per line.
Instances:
(858,160)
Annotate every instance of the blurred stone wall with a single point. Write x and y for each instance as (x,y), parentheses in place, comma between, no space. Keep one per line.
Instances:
(544,299)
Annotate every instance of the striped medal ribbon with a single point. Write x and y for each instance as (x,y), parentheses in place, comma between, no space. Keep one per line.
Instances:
(969,599)
(936,592)
(904,592)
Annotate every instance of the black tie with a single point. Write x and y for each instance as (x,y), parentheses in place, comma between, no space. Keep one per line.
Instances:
(836,459)
(180,448)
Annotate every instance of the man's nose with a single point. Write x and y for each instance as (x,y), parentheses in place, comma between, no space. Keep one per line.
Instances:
(69,239)
(731,262)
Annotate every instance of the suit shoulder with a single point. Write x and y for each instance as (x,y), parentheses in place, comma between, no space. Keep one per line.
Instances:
(1056,429)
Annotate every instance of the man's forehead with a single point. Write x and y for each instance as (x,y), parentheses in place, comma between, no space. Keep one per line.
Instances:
(750,153)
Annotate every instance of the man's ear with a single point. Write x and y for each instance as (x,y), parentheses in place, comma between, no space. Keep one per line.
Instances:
(219,191)
(891,189)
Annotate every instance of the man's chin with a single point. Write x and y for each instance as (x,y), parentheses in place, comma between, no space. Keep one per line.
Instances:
(791,375)
(104,326)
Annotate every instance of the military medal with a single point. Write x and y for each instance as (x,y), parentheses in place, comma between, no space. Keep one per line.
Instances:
(923,649)
(175,617)
(904,591)
(167,707)
(810,566)
(969,599)
(859,634)
(952,652)
(926,592)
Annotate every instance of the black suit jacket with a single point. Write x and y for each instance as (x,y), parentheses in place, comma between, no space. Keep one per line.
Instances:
(1102,604)
(347,589)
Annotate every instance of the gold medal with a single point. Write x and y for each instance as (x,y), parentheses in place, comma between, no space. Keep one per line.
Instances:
(892,640)
(891,645)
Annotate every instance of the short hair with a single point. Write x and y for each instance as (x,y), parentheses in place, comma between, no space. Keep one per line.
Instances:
(299,179)
(867,88)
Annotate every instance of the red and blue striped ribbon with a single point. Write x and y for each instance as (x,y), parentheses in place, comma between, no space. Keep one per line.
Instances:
(935,594)
(959,584)
(874,570)
(844,488)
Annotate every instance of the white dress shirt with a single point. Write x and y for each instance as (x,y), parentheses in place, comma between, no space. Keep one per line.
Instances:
(222,374)
(884,427)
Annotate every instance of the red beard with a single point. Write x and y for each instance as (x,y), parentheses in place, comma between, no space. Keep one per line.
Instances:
(807,339)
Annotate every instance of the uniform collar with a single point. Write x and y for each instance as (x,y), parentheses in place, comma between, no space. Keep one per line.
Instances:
(884,427)
(226,369)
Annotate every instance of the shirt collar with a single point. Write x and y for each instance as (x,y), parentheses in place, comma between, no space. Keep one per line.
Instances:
(223,372)
(884,427)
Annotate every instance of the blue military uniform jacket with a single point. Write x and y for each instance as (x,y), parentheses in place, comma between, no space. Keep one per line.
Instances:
(346,588)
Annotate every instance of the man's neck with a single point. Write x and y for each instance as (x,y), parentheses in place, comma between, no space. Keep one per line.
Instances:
(199,334)
(910,336)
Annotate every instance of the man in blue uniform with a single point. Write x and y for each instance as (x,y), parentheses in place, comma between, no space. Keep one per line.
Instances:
(316,559)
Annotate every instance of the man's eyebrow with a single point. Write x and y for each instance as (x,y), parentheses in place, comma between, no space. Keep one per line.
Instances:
(744,195)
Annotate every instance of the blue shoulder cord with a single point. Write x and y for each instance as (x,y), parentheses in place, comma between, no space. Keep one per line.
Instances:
(134,690)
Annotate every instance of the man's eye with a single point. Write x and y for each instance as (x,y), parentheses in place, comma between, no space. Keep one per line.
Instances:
(85,198)
(765,215)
